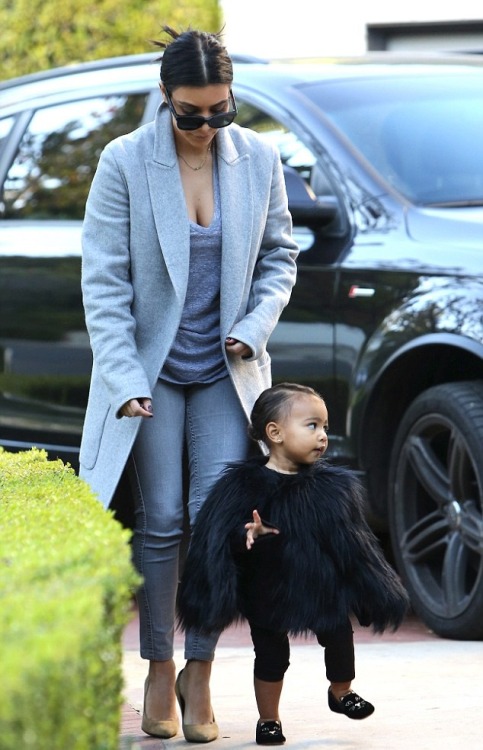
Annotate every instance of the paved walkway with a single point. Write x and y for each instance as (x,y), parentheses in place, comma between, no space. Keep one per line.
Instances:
(427,692)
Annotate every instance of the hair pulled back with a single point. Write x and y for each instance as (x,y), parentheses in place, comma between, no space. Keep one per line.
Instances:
(273,405)
(194,58)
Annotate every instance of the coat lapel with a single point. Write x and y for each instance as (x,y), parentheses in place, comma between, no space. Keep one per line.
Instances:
(237,219)
(168,204)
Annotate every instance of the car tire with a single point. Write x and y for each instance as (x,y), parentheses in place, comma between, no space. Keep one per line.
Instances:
(435,508)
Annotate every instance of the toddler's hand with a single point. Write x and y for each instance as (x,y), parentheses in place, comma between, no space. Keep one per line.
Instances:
(256,528)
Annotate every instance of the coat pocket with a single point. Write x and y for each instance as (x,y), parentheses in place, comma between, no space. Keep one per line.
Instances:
(92,436)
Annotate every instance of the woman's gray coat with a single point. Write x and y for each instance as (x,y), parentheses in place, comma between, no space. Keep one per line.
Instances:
(136,247)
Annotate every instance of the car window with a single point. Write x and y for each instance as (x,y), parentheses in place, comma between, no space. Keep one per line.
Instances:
(422,134)
(58,154)
(293,152)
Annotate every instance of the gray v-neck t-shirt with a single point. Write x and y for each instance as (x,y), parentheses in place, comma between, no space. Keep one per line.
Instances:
(196,355)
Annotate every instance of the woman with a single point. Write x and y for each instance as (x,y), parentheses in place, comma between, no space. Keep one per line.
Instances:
(188,261)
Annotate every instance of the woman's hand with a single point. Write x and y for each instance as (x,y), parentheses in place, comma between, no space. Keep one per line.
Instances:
(233,346)
(137,407)
(256,528)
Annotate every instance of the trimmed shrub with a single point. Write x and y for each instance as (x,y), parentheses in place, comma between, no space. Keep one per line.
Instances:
(66,581)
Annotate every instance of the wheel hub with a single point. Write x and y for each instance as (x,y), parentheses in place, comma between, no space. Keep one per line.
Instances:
(453,514)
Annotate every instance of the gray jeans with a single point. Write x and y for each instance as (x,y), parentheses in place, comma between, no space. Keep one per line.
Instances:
(208,422)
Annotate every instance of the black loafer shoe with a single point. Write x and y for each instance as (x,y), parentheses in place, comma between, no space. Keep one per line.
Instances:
(269,733)
(351,705)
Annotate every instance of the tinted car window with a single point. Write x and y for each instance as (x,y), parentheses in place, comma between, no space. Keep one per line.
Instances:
(293,152)
(58,155)
(423,136)
(296,155)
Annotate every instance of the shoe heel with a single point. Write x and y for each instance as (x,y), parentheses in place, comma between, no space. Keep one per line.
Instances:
(162,729)
(194,732)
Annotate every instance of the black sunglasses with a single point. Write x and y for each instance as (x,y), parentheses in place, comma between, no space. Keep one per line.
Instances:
(193,122)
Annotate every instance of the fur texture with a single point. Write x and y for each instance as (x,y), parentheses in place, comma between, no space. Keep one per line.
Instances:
(324,565)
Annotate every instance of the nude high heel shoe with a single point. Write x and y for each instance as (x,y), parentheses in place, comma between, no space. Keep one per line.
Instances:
(164,729)
(195,732)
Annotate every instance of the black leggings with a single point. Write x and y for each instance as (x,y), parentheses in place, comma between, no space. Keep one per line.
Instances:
(272,653)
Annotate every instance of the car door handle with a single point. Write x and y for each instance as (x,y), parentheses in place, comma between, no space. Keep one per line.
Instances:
(361,291)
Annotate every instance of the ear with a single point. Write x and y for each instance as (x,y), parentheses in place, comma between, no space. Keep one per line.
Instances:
(162,88)
(273,432)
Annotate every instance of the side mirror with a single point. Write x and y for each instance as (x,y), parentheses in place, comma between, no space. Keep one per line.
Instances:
(306,208)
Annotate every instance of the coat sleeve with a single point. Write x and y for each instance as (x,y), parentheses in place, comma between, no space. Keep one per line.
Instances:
(375,592)
(106,284)
(275,270)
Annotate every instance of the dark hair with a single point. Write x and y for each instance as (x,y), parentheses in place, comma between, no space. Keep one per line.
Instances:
(194,58)
(275,404)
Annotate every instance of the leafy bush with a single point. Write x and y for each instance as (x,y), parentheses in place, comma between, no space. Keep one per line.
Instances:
(66,580)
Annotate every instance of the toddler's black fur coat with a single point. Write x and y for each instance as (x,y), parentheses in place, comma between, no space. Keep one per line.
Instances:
(323,566)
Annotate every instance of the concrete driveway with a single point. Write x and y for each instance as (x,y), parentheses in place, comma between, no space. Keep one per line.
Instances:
(426,690)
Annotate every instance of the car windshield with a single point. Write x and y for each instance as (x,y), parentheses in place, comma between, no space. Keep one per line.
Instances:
(422,133)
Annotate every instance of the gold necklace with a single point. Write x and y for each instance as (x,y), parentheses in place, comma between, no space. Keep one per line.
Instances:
(195,169)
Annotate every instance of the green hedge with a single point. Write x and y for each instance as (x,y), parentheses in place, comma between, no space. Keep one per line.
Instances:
(66,583)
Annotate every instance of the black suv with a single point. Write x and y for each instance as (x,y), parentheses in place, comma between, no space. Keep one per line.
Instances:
(384,168)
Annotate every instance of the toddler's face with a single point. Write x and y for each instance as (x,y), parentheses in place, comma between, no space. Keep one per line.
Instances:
(303,431)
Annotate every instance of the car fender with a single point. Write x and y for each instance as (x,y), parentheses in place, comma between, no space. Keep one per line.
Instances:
(391,370)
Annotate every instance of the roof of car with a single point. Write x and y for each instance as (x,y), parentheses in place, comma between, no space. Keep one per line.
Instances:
(371,58)
(122,61)
(84,75)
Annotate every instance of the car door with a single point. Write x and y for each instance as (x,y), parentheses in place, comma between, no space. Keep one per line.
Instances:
(45,358)
(302,347)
